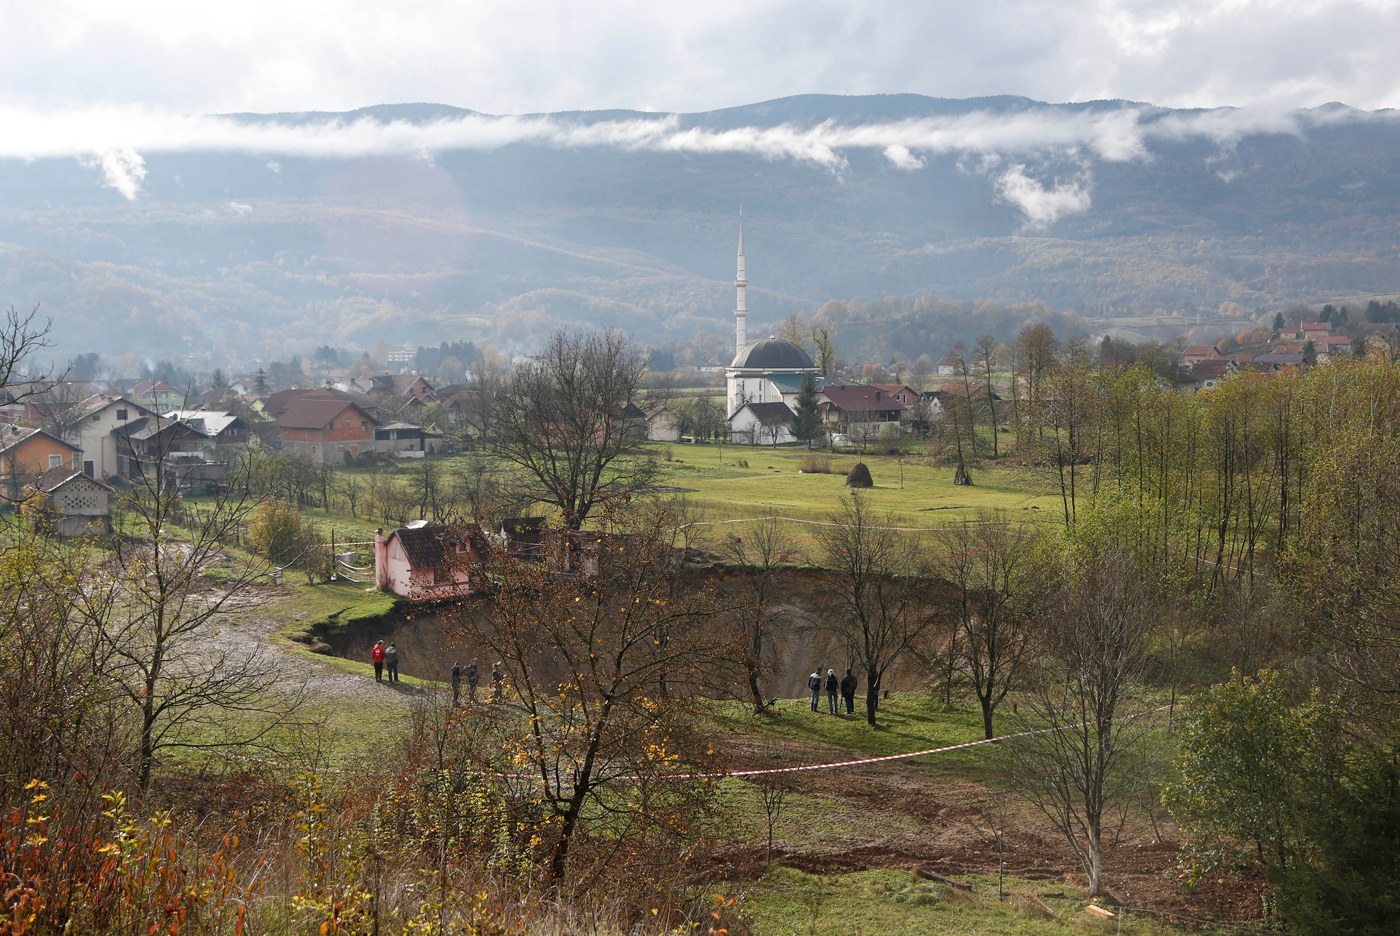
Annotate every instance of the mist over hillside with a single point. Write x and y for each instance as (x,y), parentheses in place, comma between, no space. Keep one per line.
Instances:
(250,236)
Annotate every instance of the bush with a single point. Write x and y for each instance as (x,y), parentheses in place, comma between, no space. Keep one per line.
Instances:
(278,532)
(274,528)
(816,464)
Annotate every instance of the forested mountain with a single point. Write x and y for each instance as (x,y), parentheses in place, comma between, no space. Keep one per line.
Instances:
(315,230)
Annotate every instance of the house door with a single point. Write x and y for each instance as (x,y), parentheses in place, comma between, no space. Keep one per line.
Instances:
(89,467)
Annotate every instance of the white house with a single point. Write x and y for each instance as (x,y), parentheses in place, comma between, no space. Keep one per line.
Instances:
(662,424)
(95,420)
(762,424)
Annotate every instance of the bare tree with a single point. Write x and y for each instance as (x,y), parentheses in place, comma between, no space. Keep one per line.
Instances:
(156,614)
(877,602)
(1081,767)
(758,553)
(986,364)
(772,799)
(989,585)
(22,336)
(565,423)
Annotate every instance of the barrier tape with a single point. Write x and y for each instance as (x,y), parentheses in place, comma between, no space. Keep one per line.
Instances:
(771,770)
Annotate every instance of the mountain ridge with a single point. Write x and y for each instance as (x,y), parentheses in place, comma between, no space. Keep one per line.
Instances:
(1088,205)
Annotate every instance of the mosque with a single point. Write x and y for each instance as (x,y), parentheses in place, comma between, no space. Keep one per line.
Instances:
(765,374)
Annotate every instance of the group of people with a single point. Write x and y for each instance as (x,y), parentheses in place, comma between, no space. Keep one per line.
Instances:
(388,657)
(498,679)
(385,657)
(846,685)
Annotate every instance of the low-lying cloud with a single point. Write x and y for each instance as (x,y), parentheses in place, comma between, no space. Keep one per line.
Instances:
(113,140)
(1043,206)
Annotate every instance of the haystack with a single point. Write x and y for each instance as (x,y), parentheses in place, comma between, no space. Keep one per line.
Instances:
(859,477)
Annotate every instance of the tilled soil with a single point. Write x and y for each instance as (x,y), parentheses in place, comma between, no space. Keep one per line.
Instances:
(914,815)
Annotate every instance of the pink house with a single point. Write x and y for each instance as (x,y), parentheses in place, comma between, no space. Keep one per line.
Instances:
(428,561)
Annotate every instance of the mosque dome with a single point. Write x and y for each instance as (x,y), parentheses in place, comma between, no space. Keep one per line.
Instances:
(773,354)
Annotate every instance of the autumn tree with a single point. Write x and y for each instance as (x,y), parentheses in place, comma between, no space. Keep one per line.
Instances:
(586,657)
(1248,766)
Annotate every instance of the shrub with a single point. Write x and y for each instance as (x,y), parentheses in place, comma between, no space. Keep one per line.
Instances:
(816,464)
(274,528)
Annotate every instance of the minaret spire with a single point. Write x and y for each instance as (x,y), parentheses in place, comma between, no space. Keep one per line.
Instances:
(741,308)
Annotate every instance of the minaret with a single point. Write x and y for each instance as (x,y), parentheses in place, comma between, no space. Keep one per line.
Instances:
(741,309)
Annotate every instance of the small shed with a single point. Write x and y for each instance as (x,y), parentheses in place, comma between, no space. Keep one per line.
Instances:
(75,504)
(429,561)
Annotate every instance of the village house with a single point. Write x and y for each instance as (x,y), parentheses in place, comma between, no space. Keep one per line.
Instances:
(94,426)
(1202,375)
(1329,346)
(73,503)
(226,434)
(383,386)
(901,392)
(157,394)
(761,424)
(857,409)
(1199,352)
(178,454)
(1311,331)
(405,440)
(330,431)
(662,424)
(26,453)
(946,367)
(428,561)
(277,404)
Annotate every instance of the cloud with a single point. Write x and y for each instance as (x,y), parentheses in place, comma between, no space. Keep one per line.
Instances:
(115,139)
(902,158)
(1042,206)
(122,169)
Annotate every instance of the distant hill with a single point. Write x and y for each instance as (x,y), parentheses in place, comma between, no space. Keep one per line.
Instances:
(1095,206)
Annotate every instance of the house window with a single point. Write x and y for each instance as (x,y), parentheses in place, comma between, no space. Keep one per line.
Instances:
(55,461)
(121,414)
(364,425)
(442,575)
(96,417)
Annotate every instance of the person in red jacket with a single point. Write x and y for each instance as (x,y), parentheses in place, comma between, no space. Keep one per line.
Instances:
(377,655)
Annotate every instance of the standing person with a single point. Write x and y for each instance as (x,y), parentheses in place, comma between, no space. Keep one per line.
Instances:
(833,685)
(377,655)
(814,682)
(497,682)
(848,690)
(391,659)
(472,679)
(456,683)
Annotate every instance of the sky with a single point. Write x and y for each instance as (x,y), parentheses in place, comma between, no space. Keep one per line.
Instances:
(533,56)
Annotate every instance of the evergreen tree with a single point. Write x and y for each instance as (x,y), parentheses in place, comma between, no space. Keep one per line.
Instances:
(1355,887)
(807,422)
(1278,322)
(260,382)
